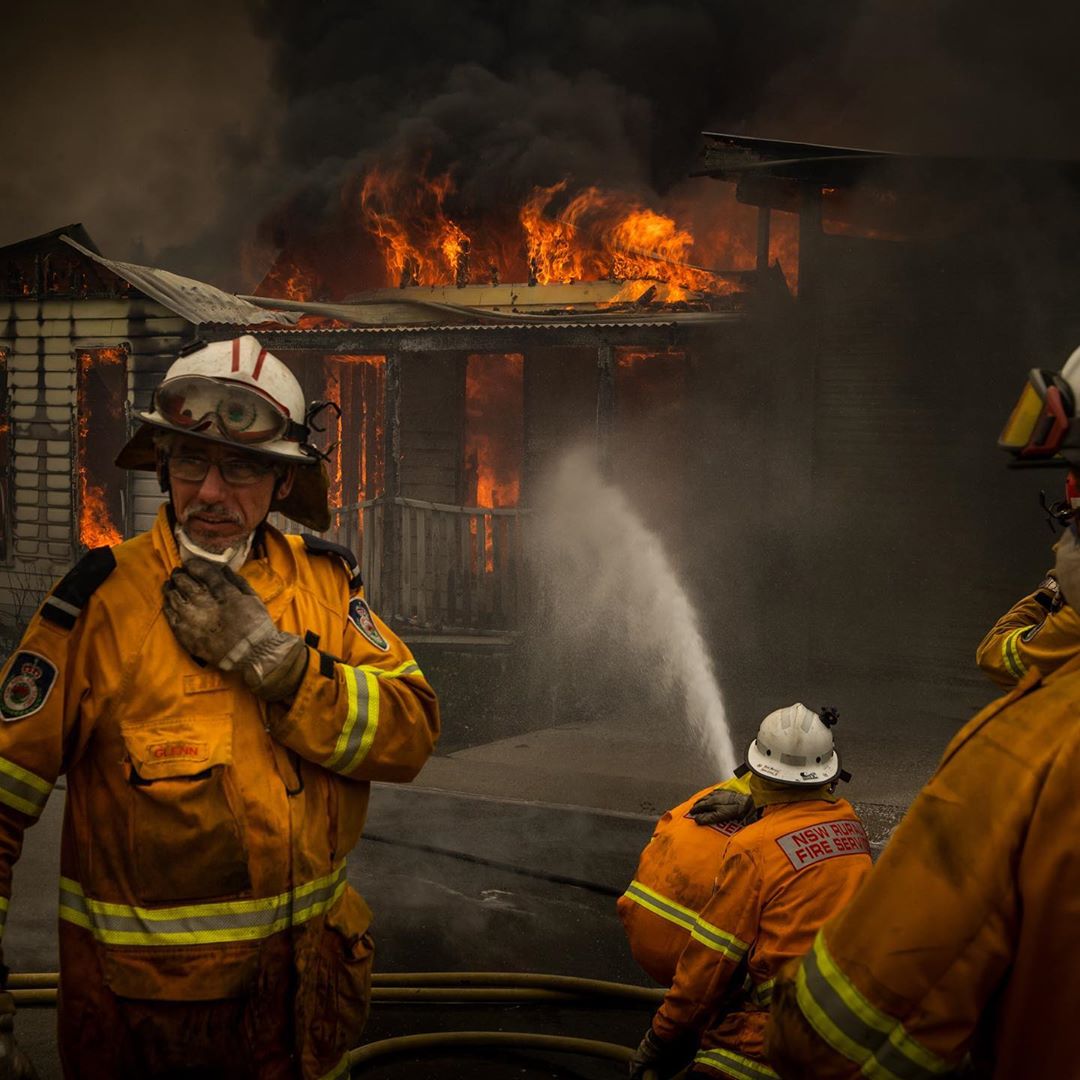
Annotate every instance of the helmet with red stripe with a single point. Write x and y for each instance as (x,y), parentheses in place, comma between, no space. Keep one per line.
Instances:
(239,394)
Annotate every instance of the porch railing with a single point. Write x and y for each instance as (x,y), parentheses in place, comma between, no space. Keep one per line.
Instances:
(435,566)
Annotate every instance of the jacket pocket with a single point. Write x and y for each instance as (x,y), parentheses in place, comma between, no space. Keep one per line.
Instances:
(184,834)
(334,973)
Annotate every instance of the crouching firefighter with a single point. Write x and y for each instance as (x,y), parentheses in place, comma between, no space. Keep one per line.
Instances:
(793,854)
(219,695)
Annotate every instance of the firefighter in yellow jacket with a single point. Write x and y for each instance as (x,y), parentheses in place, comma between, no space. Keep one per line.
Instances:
(961,949)
(220,696)
(1037,631)
(676,874)
(787,867)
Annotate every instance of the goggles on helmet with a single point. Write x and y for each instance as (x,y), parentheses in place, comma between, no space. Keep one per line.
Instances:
(1040,419)
(201,405)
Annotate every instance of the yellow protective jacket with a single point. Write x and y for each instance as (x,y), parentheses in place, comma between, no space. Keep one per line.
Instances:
(780,879)
(965,937)
(201,824)
(675,877)
(1036,631)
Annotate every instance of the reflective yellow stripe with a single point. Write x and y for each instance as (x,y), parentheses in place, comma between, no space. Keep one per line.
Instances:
(371,720)
(200,924)
(3,914)
(340,1069)
(661,905)
(355,741)
(761,994)
(1010,653)
(22,790)
(857,1029)
(732,1064)
(720,940)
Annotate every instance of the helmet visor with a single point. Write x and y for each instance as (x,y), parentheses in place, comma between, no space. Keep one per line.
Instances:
(1040,419)
(201,405)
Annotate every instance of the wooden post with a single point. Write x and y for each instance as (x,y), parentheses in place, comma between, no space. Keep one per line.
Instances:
(390,598)
(810,235)
(605,406)
(764,220)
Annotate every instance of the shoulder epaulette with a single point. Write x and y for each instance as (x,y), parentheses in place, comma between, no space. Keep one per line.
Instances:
(64,604)
(316,545)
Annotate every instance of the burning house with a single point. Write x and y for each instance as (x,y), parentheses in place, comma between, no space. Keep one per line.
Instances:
(748,362)
(452,384)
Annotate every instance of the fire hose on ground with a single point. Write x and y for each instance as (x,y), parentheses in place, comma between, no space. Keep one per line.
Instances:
(39,990)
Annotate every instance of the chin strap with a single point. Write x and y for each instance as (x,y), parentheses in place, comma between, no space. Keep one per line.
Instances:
(233,557)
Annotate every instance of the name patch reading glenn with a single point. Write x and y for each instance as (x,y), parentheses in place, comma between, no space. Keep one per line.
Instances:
(171,751)
(816,843)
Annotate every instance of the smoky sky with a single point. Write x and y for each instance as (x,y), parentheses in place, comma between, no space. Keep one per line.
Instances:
(202,136)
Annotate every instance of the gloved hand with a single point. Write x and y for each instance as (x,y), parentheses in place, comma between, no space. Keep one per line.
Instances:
(721,806)
(1049,592)
(1067,567)
(218,618)
(664,1058)
(14,1064)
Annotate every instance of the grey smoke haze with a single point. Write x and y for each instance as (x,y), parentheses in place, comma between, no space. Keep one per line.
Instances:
(200,136)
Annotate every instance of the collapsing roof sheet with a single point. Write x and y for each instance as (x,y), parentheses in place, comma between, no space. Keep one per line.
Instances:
(196,301)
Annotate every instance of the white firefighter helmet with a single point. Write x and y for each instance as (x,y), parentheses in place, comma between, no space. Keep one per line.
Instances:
(238,394)
(794,746)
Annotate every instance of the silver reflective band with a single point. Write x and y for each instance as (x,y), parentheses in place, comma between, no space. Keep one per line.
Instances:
(200,924)
(63,605)
(22,790)
(661,905)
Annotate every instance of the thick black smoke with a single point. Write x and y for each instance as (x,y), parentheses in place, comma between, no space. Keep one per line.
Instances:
(513,96)
(173,132)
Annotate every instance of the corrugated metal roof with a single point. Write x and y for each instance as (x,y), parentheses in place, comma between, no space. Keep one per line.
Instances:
(668,319)
(196,301)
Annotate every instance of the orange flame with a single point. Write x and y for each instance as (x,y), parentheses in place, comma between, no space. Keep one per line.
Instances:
(412,229)
(96,526)
(421,245)
(494,436)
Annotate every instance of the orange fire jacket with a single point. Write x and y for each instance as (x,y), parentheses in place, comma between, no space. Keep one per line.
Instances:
(201,823)
(1029,635)
(675,877)
(966,935)
(780,879)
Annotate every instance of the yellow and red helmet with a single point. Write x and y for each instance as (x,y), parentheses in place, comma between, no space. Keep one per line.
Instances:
(1043,423)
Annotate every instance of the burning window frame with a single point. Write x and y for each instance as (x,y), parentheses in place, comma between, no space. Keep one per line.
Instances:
(96,440)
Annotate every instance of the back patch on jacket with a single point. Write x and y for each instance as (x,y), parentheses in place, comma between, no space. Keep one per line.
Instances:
(816,843)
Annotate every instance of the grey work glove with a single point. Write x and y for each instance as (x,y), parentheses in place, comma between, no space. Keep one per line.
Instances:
(14,1064)
(1067,567)
(218,618)
(657,1056)
(1049,592)
(721,806)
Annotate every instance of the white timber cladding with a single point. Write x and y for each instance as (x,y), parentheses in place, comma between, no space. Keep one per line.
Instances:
(41,337)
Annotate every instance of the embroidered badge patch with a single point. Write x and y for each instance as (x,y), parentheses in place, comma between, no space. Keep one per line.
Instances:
(360,617)
(816,843)
(26,687)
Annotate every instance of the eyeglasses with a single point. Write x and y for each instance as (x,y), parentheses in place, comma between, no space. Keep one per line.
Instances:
(196,403)
(237,471)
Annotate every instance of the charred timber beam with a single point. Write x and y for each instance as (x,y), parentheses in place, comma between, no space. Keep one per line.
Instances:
(764,219)
(605,406)
(810,238)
